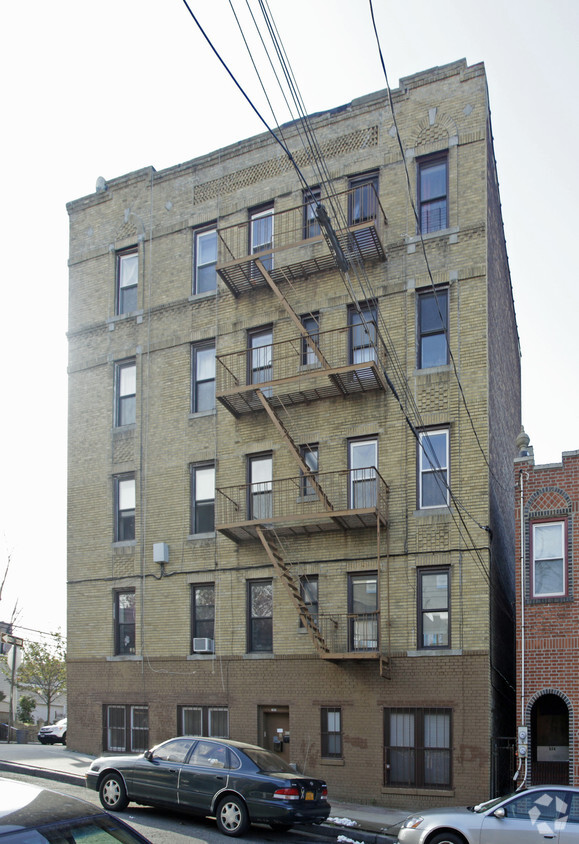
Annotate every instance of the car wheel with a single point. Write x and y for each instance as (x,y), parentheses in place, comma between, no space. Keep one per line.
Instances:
(113,793)
(447,838)
(232,818)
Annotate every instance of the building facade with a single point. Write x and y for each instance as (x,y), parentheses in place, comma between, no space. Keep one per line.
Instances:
(292,421)
(547,618)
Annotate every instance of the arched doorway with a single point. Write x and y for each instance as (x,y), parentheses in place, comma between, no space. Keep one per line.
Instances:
(550,741)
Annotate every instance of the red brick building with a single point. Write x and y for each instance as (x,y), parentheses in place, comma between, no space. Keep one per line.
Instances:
(547,616)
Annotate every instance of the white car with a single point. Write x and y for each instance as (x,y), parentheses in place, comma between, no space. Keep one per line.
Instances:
(53,733)
(535,815)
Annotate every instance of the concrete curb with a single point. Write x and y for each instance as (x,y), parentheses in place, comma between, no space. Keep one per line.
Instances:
(31,771)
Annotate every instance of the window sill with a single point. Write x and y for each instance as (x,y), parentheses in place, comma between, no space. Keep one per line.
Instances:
(202,657)
(329,761)
(195,537)
(120,430)
(259,656)
(413,239)
(120,317)
(418,792)
(126,543)
(435,513)
(200,297)
(436,652)
(433,370)
(125,658)
(198,414)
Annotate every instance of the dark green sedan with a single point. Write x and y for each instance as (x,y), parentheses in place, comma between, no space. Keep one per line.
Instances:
(238,784)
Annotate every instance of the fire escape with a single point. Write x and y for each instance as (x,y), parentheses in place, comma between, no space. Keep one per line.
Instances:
(275,250)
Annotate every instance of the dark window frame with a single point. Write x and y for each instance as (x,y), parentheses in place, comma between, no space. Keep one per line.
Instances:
(260,212)
(310,595)
(331,737)
(197,267)
(253,634)
(421,573)
(311,199)
(440,296)
(310,321)
(424,203)
(127,292)
(200,508)
(363,191)
(362,319)
(539,522)
(130,731)
(122,400)
(363,627)
(264,371)
(124,631)
(309,453)
(197,384)
(355,480)
(264,510)
(124,528)
(416,753)
(201,628)
(423,470)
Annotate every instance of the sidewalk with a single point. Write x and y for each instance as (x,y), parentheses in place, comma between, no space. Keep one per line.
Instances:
(350,821)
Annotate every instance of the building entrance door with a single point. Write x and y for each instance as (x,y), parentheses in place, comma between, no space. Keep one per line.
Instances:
(550,741)
(274,728)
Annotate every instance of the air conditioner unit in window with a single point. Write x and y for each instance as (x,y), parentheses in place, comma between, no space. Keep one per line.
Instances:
(203,646)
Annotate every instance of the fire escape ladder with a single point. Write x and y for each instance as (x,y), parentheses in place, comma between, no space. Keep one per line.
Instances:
(309,476)
(300,326)
(293,588)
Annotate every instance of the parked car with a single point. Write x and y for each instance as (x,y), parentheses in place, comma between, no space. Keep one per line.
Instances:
(53,733)
(536,814)
(237,783)
(30,814)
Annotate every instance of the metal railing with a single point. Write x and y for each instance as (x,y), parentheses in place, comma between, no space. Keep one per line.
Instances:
(353,633)
(290,358)
(291,499)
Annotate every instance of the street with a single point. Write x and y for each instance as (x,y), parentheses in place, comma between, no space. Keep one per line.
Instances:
(165,827)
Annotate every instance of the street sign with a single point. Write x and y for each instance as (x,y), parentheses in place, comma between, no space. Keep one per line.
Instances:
(12,640)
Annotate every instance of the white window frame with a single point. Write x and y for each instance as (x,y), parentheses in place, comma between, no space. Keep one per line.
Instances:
(198,265)
(563,558)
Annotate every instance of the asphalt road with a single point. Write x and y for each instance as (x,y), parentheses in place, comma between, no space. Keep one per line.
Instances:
(164,827)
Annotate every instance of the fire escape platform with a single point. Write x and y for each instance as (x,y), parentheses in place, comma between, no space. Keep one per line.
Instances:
(305,525)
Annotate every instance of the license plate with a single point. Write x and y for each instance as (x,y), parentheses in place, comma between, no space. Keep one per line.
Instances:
(309,795)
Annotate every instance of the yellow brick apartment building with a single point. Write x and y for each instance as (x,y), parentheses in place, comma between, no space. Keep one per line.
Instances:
(293,409)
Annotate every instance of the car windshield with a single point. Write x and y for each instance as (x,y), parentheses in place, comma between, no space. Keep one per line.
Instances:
(484,807)
(99,830)
(268,762)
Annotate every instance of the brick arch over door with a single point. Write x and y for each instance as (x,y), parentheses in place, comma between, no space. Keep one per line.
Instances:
(528,713)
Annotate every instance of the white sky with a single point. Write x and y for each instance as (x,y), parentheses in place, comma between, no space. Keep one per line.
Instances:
(101,89)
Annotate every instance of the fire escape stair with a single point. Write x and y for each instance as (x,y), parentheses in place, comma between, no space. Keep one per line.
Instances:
(293,588)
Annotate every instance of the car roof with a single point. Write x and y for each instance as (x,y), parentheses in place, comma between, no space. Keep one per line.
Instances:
(241,745)
(23,806)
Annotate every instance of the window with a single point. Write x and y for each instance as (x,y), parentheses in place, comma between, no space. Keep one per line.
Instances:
(126,728)
(309,594)
(260,363)
(311,224)
(124,508)
(363,198)
(203,377)
(127,281)
(124,622)
(417,745)
(549,569)
(433,608)
(363,461)
(432,194)
(311,322)
(125,393)
(432,328)
(310,456)
(260,614)
(202,612)
(261,237)
(203,721)
(205,261)
(362,333)
(433,472)
(260,487)
(363,611)
(331,732)
(203,498)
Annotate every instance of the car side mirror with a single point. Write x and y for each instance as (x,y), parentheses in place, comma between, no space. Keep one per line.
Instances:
(499,813)
(148,754)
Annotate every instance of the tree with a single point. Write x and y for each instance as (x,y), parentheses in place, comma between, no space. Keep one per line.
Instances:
(43,670)
(26,706)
